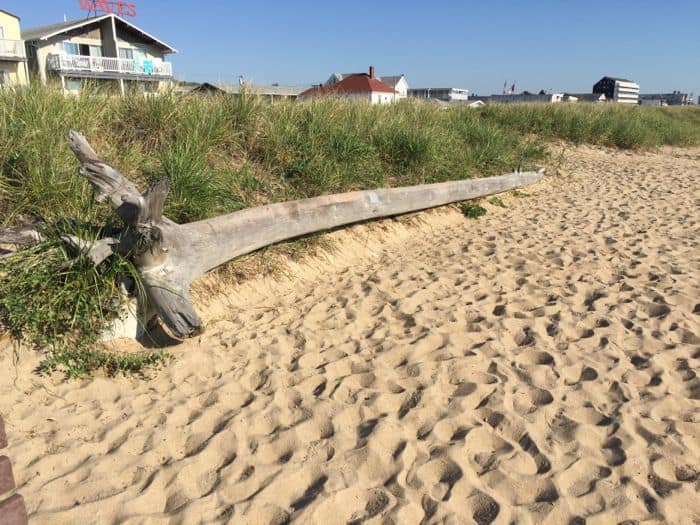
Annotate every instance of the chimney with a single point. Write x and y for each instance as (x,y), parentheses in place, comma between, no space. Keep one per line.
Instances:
(371,71)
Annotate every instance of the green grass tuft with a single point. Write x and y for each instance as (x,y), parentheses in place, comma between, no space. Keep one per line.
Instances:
(519,193)
(472,210)
(497,201)
(59,301)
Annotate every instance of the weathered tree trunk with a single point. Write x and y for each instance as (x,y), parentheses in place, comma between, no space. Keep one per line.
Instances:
(169,256)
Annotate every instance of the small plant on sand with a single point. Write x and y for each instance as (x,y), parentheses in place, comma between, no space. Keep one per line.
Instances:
(497,201)
(519,194)
(59,302)
(472,210)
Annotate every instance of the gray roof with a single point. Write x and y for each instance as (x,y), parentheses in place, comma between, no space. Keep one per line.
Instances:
(51,30)
(234,89)
(390,80)
(35,33)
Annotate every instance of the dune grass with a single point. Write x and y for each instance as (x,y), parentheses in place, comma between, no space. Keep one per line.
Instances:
(225,153)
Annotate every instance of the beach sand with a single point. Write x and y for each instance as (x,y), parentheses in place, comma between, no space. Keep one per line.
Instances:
(537,365)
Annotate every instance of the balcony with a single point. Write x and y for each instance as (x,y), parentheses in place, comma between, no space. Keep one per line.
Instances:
(110,67)
(12,49)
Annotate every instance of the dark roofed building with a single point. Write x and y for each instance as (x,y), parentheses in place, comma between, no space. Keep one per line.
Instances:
(617,90)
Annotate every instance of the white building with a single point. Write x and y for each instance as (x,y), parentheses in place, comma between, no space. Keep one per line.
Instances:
(444,94)
(618,90)
(397,82)
(356,86)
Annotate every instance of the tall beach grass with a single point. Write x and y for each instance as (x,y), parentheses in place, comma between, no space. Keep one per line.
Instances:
(225,153)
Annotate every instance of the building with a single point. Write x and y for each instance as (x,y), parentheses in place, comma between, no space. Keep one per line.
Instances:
(617,90)
(355,86)
(273,92)
(584,97)
(397,82)
(665,99)
(13,59)
(105,50)
(525,98)
(444,94)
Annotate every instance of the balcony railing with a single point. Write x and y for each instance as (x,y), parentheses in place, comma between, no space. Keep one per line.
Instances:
(12,49)
(122,66)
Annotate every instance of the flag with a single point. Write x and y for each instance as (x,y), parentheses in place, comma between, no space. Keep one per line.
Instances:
(512,88)
(505,86)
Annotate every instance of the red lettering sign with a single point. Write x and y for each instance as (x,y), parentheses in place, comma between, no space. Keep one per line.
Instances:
(109,7)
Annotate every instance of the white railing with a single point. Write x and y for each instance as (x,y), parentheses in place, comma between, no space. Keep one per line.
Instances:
(124,66)
(12,48)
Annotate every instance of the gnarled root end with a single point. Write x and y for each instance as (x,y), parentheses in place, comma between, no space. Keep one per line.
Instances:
(171,301)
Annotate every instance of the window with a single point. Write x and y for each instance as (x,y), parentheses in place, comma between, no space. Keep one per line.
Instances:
(4,78)
(139,54)
(126,52)
(71,48)
(73,84)
(2,32)
(95,51)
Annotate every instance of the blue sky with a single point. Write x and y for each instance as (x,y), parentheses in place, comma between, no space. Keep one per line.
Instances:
(557,45)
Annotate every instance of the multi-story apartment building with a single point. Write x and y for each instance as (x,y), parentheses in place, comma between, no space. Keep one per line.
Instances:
(617,90)
(105,50)
(13,60)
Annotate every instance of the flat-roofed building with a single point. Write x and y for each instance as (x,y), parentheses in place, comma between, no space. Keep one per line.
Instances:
(618,90)
(13,59)
(665,99)
(446,94)
(106,50)
(272,92)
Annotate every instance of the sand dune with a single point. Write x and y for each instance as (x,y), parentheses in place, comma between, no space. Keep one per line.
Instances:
(537,365)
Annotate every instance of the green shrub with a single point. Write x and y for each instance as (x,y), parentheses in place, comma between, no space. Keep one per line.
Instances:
(472,210)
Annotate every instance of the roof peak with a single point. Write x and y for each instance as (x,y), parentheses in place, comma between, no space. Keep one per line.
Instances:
(50,30)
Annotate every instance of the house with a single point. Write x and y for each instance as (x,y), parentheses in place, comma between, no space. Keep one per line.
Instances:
(13,59)
(356,86)
(272,92)
(397,82)
(617,90)
(106,50)
(444,94)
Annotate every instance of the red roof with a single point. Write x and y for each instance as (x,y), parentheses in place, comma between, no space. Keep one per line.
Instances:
(357,83)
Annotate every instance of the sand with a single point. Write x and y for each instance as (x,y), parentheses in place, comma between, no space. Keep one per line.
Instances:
(537,365)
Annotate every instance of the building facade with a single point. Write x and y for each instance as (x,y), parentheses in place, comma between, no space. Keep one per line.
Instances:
(444,94)
(13,59)
(397,82)
(355,86)
(665,99)
(617,90)
(526,98)
(272,93)
(106,51)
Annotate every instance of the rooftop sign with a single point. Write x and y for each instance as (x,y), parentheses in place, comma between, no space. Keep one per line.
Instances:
(109,7)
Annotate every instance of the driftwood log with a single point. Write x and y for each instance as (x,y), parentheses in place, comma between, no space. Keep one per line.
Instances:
(170,256)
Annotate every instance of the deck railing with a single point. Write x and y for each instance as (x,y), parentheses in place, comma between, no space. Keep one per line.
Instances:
(124,66)
(12,48)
